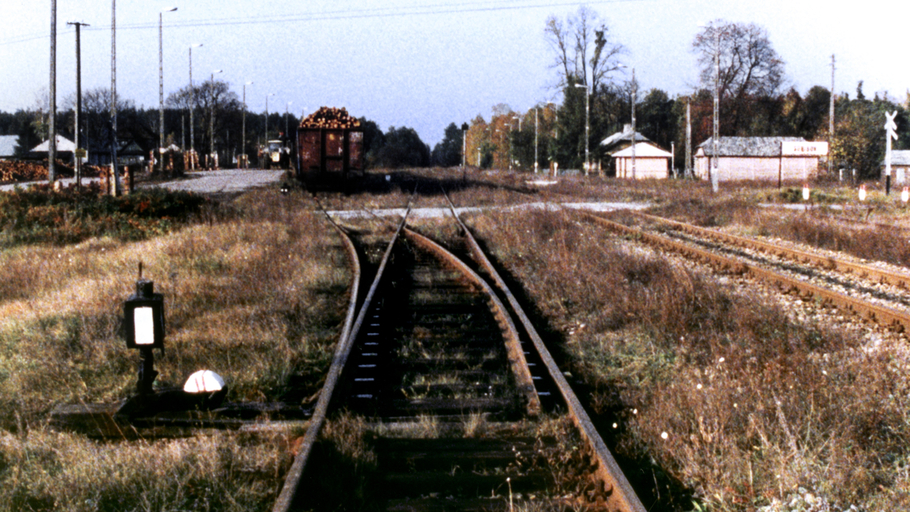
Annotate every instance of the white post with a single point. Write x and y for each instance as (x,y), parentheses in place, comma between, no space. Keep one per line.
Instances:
(536,121)
(890,133)
(713,172)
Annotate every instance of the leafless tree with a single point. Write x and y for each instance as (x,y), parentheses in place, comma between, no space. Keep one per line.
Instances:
(584,51)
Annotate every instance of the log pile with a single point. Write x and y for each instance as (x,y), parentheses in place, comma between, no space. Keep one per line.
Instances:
(12,172)
(22,171)
(330,118)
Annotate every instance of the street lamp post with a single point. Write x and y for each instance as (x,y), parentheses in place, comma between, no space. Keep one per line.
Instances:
(192,108)
(536,126)
(115,175)
(713,170)
(464,144)
(267,116)
(716,132)
(512,136)
(587,125)
(161,86)
(78,120)
(286,107)
(243,133)
(212,118)
(265,141)
(634,130)
(634,135)
(553,148)
(52,107)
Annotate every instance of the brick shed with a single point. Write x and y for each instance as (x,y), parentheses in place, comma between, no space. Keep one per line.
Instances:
(761,158)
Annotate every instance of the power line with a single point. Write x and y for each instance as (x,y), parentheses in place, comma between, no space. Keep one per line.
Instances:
(381,12)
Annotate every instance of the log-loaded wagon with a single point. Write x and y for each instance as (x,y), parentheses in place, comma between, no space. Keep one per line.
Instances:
(329,147)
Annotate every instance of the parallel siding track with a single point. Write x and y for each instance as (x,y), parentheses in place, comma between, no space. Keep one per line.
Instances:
(887,317)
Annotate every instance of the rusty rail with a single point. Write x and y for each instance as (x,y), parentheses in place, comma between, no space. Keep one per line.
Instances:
(884,316)
(806,258)
(619,492)
(292,480)
(513,343)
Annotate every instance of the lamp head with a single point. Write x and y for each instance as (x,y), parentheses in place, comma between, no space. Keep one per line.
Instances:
(143,314)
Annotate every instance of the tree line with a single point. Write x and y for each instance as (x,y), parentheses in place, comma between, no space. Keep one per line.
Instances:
(220,123)
(738,58)
(589,78)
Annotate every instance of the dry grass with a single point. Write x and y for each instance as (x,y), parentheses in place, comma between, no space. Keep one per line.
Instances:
(823,227)
(255,294)
(722,391)
(47,470)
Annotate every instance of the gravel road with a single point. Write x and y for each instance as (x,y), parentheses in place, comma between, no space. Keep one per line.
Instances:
(230,180)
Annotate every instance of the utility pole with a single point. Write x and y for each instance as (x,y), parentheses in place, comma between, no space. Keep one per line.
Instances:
(243,155)
(536,128)
(464,144)
(52,107)
(713,172)
(114,166)
(688,137)
(634,99)
(192,108)
(212,120)
(673,157)
(78,26)
(587,127)
(831,165)
(161,88)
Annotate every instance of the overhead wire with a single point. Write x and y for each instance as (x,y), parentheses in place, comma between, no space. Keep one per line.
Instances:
(376,12)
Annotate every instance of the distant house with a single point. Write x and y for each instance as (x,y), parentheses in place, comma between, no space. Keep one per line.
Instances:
(129,152)
(8,145)
(651,162)
(900,166)
(65,148)
(615,143)
(621,140)
(761,158)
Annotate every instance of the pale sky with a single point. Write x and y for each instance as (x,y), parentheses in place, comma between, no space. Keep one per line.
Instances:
(424,63)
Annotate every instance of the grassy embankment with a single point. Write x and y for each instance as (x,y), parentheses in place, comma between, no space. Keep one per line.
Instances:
(253,291)
(721,389)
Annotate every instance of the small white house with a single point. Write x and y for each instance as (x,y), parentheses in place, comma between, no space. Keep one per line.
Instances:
(64,145)
(900,166)
(651,162)
(761,158)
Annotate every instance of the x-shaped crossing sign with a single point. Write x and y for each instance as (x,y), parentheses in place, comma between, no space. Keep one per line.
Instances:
(890,125)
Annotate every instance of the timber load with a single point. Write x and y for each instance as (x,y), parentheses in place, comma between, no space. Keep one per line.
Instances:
(330,118)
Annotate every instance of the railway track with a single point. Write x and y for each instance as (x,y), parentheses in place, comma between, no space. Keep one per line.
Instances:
(874,294)
(458,402)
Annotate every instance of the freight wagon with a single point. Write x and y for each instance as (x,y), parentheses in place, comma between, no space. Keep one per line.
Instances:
(329,148)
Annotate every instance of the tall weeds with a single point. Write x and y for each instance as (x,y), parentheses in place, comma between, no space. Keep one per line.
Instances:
(253,293)
(721,389)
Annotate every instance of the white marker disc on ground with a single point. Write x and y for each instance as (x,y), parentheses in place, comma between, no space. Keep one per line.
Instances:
(203,381)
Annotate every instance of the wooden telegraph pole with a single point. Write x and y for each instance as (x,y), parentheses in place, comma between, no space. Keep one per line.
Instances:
(79,152)
(52,107)
(831,165)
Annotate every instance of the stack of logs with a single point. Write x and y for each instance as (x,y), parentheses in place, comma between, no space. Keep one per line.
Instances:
(330,118)
(13,171)
(22,171)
